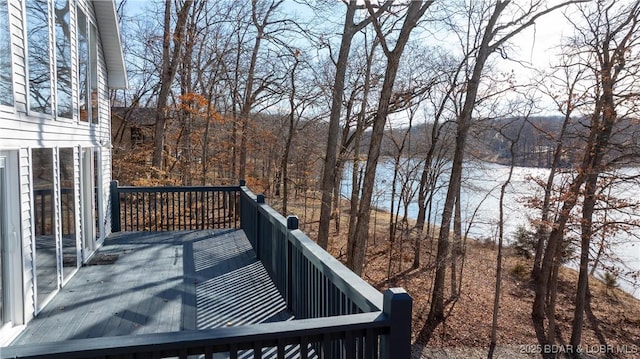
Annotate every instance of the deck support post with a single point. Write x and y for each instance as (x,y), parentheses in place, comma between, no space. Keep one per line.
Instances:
(398,306)
(115,207)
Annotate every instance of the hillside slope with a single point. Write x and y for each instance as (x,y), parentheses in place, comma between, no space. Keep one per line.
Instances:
(614,319)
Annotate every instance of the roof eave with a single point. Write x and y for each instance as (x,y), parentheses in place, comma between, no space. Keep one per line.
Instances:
(107,19)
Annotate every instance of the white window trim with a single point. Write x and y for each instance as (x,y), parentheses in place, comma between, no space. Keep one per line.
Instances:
(31,113)
(12,108)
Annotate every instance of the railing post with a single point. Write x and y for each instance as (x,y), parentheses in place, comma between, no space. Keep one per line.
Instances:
(240,208)
(115,207)
(292,224)
(397,305)
(259,202)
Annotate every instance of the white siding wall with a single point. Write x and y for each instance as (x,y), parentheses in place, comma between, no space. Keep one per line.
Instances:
(20,130)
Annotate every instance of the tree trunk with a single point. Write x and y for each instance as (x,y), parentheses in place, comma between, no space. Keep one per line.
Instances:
(356,250)
(425,189)
(337,92)
(436,310)
(393,215)
(554,243)
(457,246)
(583,276)
(607,78)
(170,63)
(287,148)
(335,212)
(598,142)
(248,94)
(542,230)
(498,288)
(356,174)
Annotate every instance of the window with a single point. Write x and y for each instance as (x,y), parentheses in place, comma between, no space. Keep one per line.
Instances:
(136,136)
(83,63)
(6,82)
(68,212)
(39,56)
(93,72)
(87,69)
(63,59)
(45,228)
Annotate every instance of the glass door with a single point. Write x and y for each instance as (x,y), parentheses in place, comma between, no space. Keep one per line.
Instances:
(70,248)
(11,305)
(97,195)
(88,203)
(4,310)
(46,249)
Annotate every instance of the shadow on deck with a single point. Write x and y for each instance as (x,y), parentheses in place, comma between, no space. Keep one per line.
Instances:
(161,282)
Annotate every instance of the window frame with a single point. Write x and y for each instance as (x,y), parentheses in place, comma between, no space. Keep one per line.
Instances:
(92,70)
(10,108)
(72,63)
(51,53)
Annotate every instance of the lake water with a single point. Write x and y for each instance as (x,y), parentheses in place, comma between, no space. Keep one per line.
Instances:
(480,195)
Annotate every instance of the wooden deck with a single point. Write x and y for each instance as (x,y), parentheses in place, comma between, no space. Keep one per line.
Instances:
(161,282)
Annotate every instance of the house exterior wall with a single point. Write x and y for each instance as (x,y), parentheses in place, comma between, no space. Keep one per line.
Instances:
(23,130)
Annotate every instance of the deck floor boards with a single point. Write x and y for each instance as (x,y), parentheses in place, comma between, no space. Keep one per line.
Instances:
(161,282)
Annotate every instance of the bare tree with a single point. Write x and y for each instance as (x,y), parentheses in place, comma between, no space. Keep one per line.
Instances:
(503,189)
(328,176)
(356,249)
(170,61)
(299,100)
(495,34)
(250,93)
(362,86)
(361,125)
(438,146)
(611,34)
(568,78)
(601,46)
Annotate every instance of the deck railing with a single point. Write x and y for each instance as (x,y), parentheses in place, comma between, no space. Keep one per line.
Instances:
(316,285)
(337,314)
(173,208)
(43,204)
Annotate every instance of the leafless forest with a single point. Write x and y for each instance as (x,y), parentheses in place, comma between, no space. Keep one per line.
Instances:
(295,96)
